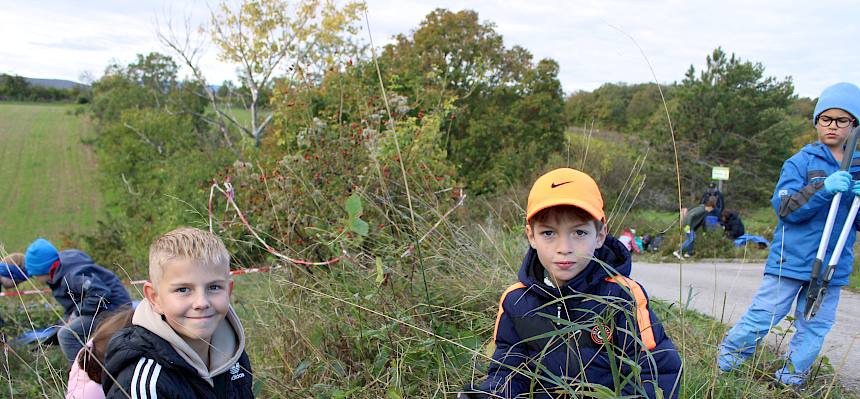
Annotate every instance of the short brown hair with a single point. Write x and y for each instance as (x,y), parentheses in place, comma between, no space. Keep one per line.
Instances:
(92,358)
(564,212)
(711,202)
(17,259)
(186,243)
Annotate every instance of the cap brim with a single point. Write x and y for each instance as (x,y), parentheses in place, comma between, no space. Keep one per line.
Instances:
(595,213)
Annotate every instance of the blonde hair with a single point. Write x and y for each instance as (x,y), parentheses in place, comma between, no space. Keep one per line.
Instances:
(186,243)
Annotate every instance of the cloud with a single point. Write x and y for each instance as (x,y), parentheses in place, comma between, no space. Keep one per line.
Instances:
(589,39)
(82,44)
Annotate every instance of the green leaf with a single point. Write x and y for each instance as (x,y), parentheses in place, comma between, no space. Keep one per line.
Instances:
(339,368)
(359,226)
(353,206)
(380,271)
(301,369)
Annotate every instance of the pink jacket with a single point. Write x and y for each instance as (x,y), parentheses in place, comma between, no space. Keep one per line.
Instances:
(80,384)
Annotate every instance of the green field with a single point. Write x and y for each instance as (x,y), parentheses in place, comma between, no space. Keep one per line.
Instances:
(48,174)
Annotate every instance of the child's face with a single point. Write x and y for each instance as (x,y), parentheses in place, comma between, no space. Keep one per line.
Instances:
(565,245)
(193,298)
(833,136)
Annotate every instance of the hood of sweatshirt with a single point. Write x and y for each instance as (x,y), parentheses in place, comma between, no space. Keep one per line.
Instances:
(227,343)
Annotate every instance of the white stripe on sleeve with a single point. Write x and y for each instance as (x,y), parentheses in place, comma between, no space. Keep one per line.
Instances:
(155,372)
(141,383)
(134,378)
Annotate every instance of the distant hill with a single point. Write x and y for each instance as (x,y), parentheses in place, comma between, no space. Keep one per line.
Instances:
(54,83)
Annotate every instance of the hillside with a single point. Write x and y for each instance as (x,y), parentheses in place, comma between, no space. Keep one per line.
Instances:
(54,83)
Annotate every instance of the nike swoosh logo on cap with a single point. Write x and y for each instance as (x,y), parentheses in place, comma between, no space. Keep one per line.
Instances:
(554,185)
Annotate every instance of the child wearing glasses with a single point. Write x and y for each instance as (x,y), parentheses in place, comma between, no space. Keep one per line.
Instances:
(807,184)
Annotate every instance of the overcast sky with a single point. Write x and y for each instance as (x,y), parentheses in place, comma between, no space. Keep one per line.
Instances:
(815,42)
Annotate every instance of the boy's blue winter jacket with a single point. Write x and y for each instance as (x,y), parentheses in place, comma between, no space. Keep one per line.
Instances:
(575,337)
(802,203)
(85,288)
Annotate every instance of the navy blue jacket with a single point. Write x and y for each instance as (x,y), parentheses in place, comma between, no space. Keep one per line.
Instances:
(85,288)
(802,204)
(551,341)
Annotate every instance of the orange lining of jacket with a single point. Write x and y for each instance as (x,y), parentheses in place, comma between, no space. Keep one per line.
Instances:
(643,316)
(501,309)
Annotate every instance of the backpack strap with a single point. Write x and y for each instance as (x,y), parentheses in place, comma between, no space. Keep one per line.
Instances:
(516,286)
(643,315)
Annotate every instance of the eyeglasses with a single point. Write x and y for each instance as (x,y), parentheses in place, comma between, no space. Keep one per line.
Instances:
(840,122)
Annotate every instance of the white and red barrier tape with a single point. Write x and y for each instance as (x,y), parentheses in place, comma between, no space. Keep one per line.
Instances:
(138,282)
(229,193)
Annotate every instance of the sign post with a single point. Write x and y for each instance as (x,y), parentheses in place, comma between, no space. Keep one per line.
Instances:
(720,173)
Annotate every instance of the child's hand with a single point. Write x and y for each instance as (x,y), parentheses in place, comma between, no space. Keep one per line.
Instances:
(838,182)
(856,188)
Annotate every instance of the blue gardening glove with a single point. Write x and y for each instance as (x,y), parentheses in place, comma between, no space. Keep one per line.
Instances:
(856,188)
(838,182)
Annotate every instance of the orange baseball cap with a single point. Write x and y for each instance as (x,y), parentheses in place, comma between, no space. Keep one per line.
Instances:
(566,186)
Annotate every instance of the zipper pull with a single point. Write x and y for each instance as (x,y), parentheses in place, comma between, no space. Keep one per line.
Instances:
(558,313)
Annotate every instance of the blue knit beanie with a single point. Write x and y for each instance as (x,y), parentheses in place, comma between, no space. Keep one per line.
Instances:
(39,257)
(844,96)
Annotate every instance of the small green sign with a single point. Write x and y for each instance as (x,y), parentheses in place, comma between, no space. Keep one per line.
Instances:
(720,173)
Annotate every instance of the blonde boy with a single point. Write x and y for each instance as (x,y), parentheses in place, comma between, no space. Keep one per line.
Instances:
(187,341)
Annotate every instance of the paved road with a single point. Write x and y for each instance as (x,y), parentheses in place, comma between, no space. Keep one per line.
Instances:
(736,283)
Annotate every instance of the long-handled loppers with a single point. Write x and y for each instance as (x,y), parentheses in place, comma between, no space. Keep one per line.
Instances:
(817,289)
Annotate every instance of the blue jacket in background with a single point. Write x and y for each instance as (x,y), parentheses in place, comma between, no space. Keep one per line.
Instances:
(85,288)
(560,335)
(801,204)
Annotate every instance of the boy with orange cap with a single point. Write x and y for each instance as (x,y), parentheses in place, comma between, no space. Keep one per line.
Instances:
(575,322)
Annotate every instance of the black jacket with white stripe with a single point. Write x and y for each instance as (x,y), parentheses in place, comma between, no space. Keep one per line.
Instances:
(142,365)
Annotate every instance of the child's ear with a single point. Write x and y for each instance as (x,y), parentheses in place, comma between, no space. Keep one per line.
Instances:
(601,235)
(530,234)
(151,295)
(230,289)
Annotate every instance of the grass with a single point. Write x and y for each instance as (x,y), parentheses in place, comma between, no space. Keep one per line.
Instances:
(48,174)
(350,331)
(418,325)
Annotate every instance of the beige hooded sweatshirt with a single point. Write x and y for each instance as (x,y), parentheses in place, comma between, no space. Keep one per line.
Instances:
(227,343)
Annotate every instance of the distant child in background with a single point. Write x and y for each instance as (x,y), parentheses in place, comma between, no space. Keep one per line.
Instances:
(732,225)
(713,191)
(12,272)
(85,376)
(807,183)
(694,220)
(82,287)
(575,318)
(628,238)
(186,342)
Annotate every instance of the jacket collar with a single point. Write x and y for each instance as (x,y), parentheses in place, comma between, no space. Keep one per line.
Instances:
(609,260)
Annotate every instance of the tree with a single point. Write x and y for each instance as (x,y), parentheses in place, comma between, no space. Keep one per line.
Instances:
(729,114)
(260,37)
(499,102)
(156,72)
